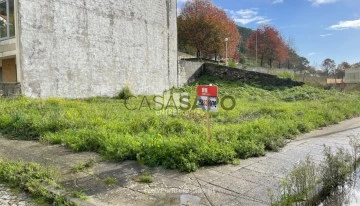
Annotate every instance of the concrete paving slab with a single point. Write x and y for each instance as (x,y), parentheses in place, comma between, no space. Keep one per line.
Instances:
(122,196)
(208,174)
(217,195)
(235,184)
(255,177)
(244,202)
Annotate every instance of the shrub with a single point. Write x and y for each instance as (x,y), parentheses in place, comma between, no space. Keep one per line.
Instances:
(33,178)
(300,186)
(232,63)
(286,75)
(335,169)
(125,93)
(310,184)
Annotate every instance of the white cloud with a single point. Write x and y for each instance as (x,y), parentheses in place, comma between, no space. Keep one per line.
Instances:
(319,2)
(352,24)
(311,54)
(246,16)
(325,35)
(277,1)
(247,13)
(264,21)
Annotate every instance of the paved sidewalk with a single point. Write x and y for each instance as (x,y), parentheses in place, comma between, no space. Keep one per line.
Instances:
(244,184)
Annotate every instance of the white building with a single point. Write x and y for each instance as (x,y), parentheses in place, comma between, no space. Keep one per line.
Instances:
(86,48)
(352,76)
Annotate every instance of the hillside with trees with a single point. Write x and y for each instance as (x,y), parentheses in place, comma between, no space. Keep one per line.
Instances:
(289,58)
(203,29)
(267,45)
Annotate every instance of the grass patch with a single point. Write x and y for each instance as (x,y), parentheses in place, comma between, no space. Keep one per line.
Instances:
(110,181)
(32,178)
(264,118)
(79,194)
(236,162)
(145,178)
(83,166)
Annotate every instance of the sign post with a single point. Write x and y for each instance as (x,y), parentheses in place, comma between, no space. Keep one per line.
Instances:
(208,100)
(208,125)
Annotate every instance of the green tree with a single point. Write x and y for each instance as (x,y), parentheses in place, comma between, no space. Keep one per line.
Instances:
(340,70)
(356,65)
(328,66)
(303,64)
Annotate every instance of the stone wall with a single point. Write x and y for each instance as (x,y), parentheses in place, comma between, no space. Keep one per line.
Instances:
(191,69)
(245,76)
(10,89)
(85,48)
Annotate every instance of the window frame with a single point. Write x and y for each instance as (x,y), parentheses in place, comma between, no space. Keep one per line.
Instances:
(7,21)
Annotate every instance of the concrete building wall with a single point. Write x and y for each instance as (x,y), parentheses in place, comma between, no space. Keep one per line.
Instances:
(352,76)
(84,48)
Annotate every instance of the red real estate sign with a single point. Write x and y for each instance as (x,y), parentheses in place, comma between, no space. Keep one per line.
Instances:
(207,98)
(207,91)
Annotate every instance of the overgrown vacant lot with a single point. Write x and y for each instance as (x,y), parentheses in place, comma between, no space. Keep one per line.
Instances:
(263,119)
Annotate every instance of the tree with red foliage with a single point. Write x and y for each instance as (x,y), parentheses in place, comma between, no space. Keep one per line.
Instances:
(268,44)
(202,28)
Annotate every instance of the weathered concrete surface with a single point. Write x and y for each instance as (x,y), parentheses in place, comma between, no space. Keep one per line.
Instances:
(189,71)
(84,48)
(8,198)
(244,184)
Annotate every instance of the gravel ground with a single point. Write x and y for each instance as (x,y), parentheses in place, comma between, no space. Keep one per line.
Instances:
(7,198)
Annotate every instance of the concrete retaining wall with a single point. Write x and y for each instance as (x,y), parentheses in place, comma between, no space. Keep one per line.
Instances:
(189,71)
(85,48)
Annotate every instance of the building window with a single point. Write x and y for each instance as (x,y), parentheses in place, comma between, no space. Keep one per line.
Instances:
(7,19)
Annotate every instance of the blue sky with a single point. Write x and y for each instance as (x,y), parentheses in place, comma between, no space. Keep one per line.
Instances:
(319,28)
